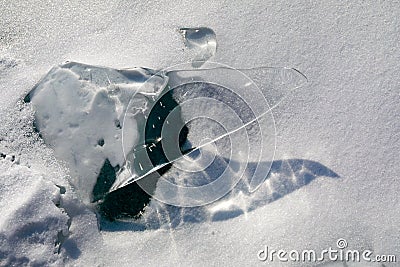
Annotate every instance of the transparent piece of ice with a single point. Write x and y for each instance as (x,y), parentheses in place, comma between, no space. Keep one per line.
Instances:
(203,41)
(84,112)
(228,113)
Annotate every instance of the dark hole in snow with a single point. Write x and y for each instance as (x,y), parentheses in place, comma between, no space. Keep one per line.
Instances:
(117,124)
(105,180)
(62,189)
(101,142)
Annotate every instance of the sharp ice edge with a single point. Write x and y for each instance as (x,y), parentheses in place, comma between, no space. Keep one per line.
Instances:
(134,178)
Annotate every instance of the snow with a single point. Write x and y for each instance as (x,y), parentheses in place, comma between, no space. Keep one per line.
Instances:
(31,224)
(345,120)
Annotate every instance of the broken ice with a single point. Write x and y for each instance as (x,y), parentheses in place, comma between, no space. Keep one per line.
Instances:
(117,127)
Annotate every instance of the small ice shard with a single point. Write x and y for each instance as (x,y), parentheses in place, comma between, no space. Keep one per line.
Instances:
(203,41)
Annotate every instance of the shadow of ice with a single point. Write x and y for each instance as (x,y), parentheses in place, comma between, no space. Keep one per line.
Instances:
(284,177)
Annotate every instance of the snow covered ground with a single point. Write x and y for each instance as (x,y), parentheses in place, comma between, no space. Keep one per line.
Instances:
(342,127)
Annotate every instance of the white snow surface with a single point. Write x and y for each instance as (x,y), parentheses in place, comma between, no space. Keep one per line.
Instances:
(346,119)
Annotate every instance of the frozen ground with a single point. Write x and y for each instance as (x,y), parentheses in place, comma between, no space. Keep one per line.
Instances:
(345,120)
